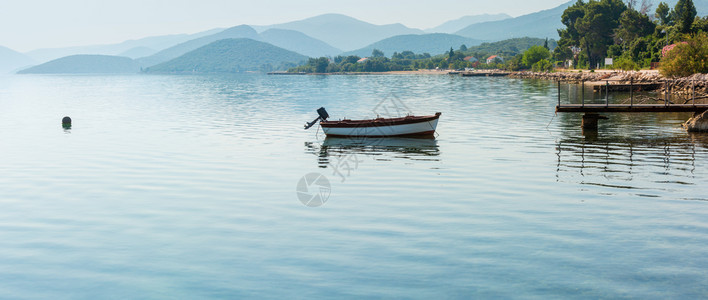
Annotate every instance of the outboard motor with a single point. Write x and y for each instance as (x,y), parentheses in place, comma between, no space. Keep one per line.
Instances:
(323,116)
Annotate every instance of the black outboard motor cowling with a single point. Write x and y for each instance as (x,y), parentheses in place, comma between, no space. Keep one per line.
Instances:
(323,113)
(323,116)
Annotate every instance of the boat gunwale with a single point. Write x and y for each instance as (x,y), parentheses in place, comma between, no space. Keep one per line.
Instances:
(379,122)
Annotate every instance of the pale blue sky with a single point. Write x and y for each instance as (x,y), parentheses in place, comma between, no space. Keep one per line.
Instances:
(32,24)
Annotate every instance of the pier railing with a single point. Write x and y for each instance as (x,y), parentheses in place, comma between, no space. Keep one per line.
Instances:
(667,95)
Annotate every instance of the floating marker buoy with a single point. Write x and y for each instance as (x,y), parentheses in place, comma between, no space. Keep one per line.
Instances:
(66,122)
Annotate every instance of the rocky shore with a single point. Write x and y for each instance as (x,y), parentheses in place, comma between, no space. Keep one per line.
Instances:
(682,86)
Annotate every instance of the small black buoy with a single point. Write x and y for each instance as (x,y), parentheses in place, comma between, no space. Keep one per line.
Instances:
(66,122)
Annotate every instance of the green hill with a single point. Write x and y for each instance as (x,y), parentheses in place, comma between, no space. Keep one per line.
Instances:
(241,31)
(85,64)
(231,56)
(434,43)
(510,47)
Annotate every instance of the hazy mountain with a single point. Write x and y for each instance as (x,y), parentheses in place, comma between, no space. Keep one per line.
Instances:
(85,64)
(542,24)
(458,24)
(230,56)
(298,42)
(432,43)
(287,39)
(344,32)
(138,52)
(241,31)
(11,60)
(154,42)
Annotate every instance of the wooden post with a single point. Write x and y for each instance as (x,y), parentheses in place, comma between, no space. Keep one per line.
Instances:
(559,92)
(631,92)
(666,91)
(590,121)
(668,100)
(607,93)
(693,91)
(583,92)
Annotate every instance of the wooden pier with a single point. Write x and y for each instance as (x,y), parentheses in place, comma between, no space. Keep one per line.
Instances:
(667,104)
(624,87)
(630,108)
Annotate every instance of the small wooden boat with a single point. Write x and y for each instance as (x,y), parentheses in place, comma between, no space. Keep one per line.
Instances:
(408,126)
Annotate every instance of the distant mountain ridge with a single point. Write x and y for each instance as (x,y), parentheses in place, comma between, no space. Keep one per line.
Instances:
(231,56)
(287,39)
(298,42)
(459,24)
(11,60)
(432,43)
(155,42)
(342,31)
(542,24)
(241,31)
(85,64)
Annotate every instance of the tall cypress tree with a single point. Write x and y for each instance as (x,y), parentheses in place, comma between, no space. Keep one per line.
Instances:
(684,15)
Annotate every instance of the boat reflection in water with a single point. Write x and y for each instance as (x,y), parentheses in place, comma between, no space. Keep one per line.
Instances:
(380,149)
(648,167)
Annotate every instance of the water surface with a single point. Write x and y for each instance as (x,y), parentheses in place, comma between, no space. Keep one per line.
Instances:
(185,187)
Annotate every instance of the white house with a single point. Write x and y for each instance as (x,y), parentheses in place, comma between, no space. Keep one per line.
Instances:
(493,57)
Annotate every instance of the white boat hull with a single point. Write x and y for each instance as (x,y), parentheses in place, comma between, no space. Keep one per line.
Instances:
(413,129)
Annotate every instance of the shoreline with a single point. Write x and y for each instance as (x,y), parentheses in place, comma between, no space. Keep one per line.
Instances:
(594,78)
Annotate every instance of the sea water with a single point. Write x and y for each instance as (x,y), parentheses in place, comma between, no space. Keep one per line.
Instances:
(192,187)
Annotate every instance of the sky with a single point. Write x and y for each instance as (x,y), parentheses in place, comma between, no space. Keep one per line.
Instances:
(33,24)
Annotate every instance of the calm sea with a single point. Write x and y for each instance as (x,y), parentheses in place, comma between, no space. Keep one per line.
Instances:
(196,187)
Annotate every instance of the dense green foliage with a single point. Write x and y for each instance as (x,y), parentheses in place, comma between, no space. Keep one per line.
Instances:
(534,55)
(598,29)
(85,64)
(450,59)
(687,58)
(231,56)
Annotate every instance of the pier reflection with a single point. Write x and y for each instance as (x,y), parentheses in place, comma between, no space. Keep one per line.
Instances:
(618,163)
(381,149)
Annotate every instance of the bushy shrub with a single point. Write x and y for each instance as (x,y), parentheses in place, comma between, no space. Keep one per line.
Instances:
(626,64)
(542,66)
(687,58)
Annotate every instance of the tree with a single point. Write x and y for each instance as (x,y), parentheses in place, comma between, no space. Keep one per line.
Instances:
(320,64)
(633,25)
(534,55)
(663,13)
(700,24)
(377,53)
(463,48)
(569,36)
(545,44)
(451,55)
(687,58)
(597,27)
(684,14)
